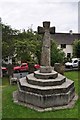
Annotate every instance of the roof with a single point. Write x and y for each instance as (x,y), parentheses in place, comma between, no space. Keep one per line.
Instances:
(65,38)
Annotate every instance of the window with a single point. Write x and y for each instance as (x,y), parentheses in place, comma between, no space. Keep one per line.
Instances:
(6,60)
(63,45)
(69,55)
(23,65)
(75,61)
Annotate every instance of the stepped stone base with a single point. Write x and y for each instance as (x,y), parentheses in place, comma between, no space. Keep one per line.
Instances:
(51,75)
(45,101)
(45,82)
(64,88)
(40,109)
(45,90)
(45,69)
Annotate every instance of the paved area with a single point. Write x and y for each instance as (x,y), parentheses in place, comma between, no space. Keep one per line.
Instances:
(71,69)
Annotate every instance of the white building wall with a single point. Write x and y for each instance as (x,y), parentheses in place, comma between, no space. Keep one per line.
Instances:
(68,49)
(9,60)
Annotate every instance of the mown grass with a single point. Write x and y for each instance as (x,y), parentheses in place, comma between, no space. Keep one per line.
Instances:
(11,110)
(74,75)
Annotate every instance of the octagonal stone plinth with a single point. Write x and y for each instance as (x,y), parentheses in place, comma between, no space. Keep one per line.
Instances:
(45,101)
(45,82)
(51,75)
(63,88)
(46,93)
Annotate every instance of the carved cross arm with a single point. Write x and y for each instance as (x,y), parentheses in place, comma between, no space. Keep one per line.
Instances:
(41,30)
(52,30)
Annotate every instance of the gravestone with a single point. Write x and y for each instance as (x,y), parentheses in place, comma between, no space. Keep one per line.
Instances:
(45,89)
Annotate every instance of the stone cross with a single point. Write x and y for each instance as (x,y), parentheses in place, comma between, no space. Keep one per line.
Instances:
(46,30)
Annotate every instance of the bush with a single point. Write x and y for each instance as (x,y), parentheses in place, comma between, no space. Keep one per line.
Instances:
(57,55)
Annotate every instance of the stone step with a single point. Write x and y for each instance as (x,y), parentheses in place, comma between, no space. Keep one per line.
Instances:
(40,75)
(45,82)
(46,101)
(65,87)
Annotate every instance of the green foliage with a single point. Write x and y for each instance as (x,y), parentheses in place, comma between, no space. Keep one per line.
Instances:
(57,55)
(24,49)
(76,48)
(8,41)
(28,48)
(25,45)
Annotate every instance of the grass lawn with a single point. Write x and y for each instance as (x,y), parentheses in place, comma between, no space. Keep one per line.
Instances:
(11,110)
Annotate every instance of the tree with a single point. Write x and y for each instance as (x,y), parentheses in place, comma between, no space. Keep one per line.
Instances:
(8,47)
(76,48)
(38,47)
(57,55)
(28,47)
(8,44)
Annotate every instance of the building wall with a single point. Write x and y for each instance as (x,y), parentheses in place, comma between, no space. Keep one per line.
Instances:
(9,60)
(68,49)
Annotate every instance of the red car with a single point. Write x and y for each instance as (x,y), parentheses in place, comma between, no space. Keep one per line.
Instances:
(4,71)
(22,67)
(36,66)
(4,68)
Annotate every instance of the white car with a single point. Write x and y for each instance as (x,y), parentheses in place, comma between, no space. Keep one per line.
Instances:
(73,63)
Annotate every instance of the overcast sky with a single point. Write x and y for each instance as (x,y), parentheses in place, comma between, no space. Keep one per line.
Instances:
(22,14)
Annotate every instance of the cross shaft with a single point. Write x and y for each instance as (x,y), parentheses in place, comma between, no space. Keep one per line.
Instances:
(46,30)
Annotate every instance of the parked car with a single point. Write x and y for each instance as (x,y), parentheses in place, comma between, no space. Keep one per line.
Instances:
(36,66)
(4,71)
(73,63)
(22,67)
(4,68)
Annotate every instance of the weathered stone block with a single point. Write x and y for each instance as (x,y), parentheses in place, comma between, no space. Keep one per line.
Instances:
(45,69)
(58,67)
(45,82)
(63,88)
(46,101)
(13,81)
(51,75)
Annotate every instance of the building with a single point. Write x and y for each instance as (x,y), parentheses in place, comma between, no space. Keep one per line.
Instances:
(7,60)
(65,41)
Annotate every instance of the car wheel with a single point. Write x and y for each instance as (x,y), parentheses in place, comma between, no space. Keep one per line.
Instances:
(71,67)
